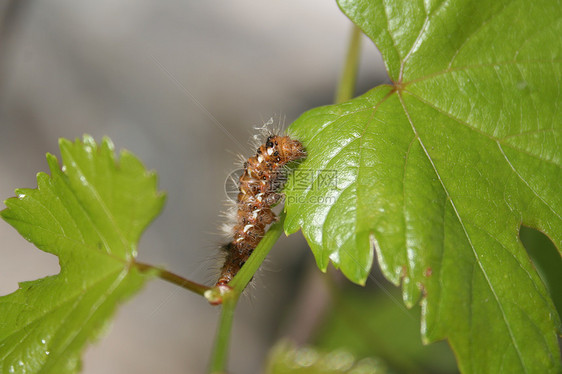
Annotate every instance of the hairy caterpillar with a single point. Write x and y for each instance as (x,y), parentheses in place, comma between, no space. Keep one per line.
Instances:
(258,191)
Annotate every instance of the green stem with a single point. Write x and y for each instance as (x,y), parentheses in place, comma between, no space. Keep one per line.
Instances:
(220,351)
(238,284)
(346,86)
(230,294)
(246,273)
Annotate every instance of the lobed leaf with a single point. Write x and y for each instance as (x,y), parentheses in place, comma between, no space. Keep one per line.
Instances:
(438,171)
(90,214)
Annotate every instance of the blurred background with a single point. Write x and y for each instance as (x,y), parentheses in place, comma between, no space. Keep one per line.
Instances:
(158,77)
(181,84)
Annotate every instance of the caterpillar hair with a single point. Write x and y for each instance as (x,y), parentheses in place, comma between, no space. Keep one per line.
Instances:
(259,190)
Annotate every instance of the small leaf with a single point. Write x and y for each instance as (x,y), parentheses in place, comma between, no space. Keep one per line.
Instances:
(91,215)
(439,170)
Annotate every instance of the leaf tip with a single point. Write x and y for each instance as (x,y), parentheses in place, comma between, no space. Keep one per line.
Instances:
(20,193)
(4,212)
(87,139)
(362,280)
(64,143)
(107,143)
(53,163)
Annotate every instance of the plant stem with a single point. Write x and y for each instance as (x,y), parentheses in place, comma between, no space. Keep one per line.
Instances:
(346,86)
(238,284)
(173,278)
(345,91)
(246,273)
(220,351)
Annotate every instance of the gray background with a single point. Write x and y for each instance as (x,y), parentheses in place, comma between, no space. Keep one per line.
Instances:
(121,69)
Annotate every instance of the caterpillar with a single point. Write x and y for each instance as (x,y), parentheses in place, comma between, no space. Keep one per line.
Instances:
(258,191)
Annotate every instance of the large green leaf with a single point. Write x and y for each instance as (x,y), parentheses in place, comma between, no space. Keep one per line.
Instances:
(91,215)
(438,171)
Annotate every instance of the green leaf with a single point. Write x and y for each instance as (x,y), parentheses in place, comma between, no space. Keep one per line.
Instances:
(438,171)
(91,215)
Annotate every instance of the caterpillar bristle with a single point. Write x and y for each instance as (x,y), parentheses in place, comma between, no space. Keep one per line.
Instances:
(259,190)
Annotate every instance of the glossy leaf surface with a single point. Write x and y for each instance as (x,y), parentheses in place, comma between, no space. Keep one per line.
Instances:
(438,171)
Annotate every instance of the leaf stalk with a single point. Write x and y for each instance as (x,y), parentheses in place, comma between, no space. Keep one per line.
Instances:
(173,278)
(346,86)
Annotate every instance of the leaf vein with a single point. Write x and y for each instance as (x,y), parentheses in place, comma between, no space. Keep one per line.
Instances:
(477,30)
(95,307)
(483,65)
(476,129)
(525,182)
(474,252)
(62,303)
(100,201)
(415,45)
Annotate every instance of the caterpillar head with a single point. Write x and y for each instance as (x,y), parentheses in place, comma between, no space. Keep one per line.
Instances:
(285,149)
